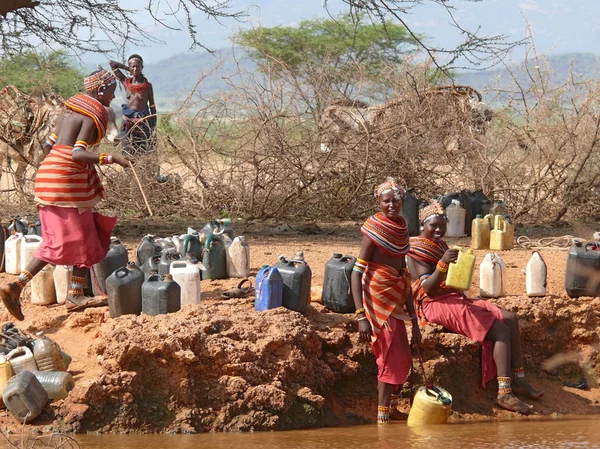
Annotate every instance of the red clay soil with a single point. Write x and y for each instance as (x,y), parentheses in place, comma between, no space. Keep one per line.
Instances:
(223,366)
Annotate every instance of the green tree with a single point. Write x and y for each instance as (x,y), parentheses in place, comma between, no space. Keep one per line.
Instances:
(45,72)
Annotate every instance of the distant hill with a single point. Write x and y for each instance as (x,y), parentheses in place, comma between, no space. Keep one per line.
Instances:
(174,78)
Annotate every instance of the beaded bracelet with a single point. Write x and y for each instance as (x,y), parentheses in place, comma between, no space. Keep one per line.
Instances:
(362,318)
(51,140)
(442,266)
(359,311)
(105,159)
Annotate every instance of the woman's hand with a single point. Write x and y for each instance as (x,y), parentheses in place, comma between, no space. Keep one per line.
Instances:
(416,334)
(121,160)
(450,256)
(364,329)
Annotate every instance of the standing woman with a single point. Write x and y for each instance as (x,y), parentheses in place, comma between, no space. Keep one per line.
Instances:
(381,292)
(67,186)
(497,330)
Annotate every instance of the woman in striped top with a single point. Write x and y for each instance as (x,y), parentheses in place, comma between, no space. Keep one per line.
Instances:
(66,187)
(382,295)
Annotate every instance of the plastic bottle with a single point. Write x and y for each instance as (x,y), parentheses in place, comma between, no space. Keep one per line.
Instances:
(115,258)
(269,289)
(238,258)
(160,296)
(460,273)
(62,281)
(124,290)
(56,383)
(147,248)
(337,295)
(43,291)
(491,277)
(480,233)
(6,373)
(29,246)
(497,235)
(187,275)
(535,275)
(297,278)
(214,258)
(12,254)
(509,232)
(583,270)
(47,354)
(456,219)
(25,396)
(21,359)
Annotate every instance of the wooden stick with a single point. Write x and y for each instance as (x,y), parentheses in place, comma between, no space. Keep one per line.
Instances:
(141,189)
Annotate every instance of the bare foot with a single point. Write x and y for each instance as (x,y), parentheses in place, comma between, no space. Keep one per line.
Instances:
(520,386)
(10,297)
(512,403)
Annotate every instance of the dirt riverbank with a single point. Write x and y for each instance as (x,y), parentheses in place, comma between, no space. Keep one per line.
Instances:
(222,366)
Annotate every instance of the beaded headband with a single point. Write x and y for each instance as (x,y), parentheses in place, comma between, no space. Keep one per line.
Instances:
(393,185)
(135,59)
(431,210)
(99,80)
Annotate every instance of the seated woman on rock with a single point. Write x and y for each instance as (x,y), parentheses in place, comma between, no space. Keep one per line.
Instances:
(497,330)
(381,291)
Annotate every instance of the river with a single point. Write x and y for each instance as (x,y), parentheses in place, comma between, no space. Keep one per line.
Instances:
(538,434)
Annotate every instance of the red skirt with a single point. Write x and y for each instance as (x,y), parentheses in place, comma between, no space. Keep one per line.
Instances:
(472,318)
(73,238)
(392,352)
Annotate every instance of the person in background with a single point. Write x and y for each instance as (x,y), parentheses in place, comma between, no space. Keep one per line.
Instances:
(497,330)
(382,296)
(67,186)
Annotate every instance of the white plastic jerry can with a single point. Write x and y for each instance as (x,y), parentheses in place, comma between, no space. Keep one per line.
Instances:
(456,219)
(238,258)
(29,246)
(62,279)
(491,277)
(43,291)
(12,254)
(535,275)
(187,275)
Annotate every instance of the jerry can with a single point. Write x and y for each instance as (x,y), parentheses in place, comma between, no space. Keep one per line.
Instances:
(147,247)
(187,275)
(43,291)
(296,276)
(12,254)
(3,236)
(6,373)
(25,396)
(535,275)
(166,259)
(238,258)
(491,277)
(336,295)
(582,276)
(160,296)
(62,281)
(475,203)
(17,225)
(499,208)
(480,233)
(456,219)
(29,246)
(124,291)
(430,406)
(151,266)
(410,212)
(47,354)
(191,247)
(509,232)
(214,258)
(21,359)
(56,383)
(116,257)
(35,228)
(269,289)
(497,234)
(460,273)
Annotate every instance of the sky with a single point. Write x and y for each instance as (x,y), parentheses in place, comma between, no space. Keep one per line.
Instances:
(558,26)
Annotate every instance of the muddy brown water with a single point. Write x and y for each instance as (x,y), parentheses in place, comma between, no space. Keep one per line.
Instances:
(551,434)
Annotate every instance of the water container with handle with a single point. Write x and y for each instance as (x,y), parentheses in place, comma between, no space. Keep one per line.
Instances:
(56,383)
(497,235)
(116,257)
(160,296)
(460,273)
(430,406)
(491,277)
(499,208)
(509,232)
(35,228)
(47,354)
(124,290)
(480,233)
(147,247)
(535,275)
(456,219)
(3,236)
(6,373)
(187,275)
(166,259)
(151,266)
(269,289)
(25,396)
(43,291)
(296,276)
(62,281)
(475,203)
(17,226)
(29,246)
(582,276)
(191,247)
(337,295)
(21,359)
(214,258)
(12,254)
(238,258)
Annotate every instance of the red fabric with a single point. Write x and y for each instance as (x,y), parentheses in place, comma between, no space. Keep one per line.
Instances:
(392,352)
(92,108)
(74,239)
(472,318)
